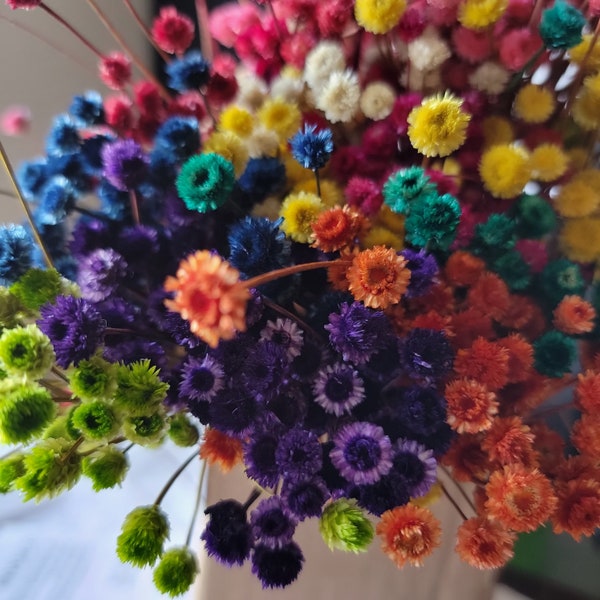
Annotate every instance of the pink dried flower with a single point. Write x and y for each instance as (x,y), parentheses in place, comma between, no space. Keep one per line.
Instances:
(115,70)
(365,195)
(333,17)
(294,48)
(15,120)
(118,113)
(147,98)
(516,47)
(26,4)
(222,85)
(402,107)
(188,104)
(172,31)
(379,140)
(442,12)
(412,24)
(445,184)
(226,23)
(472,46)
(520,10)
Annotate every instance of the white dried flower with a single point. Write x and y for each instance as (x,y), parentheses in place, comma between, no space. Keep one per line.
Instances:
(490,77)
(340,96)
(323,60)
(422,81)
(262,142)
(377,100)
(428,51)
(251,90)
(287,88)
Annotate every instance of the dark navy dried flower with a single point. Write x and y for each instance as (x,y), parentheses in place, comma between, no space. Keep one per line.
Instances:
(357,332)
(234,411)
(419,411)
(385,494)
(73,168)
(91,153)
(162,170)
(201,379)
(100,274)
(74,327)
(306,364)
(312,148)
(89,234)
(87,109)
(338,389)
(385,364)
(140,244)
(277,567)
(427,353)
(362,453)
(188,72)
(265,369)
(16,250)
(305,498)
(228,535)
(423,270)
(119,313)
(416,464)
(257,245)
(262,177)
(31,176)
(272,522)
(259,457)
(63,137)
(289,406)
(179,137)
(299,455)
(125,164)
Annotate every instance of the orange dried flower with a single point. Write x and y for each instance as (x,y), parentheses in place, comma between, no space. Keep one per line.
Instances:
(578,512)
(519,498)
(219,449)
(466,458)
(337,227)
(409,534)
(440,298)
(469,325)
(587,391)
(378,277)
(520,357)
(520,312)
(463,269)
(509,441)
(576,467)
(485,361)
(520,398)
(585,435)
(490,295)
(574,315)
(549,446)
(484,544)
(209,294)
(470,405)
(336,274)
(433,320)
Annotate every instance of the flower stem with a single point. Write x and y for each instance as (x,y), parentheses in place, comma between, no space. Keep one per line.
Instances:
(285,271)
(59,374)
(290,315)
(145,29)
(459,510)
(206,42)
(188,538)
(318,180)
(25,206)
(135,211)
(254,495)
(173,478)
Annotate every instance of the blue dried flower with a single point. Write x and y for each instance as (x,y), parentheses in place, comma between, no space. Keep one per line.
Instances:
(87,109)
(179,137)
(16,250)
(57,201)
(261,177)
(31,176)
(312,148)
(190,72)
(64,136)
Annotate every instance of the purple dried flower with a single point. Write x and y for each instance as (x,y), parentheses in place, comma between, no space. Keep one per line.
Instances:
(419,411)
(305,498)
(298,454)
(284,333)
(234,411)
(265,369)
(338,389)
(277,567)
(259,457)
(100,274)
(201,379)
(386,493)
(125,163)
(426,353)
(423,270)
(272,522)
(416,464)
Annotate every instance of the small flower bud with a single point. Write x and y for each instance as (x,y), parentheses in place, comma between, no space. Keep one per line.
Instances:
(182,432)
(344,526)
(176,571)
(106,468)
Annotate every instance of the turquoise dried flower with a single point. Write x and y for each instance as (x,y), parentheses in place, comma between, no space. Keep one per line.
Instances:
(182,431)
(205,182)
(344,526)
(513,269)
(405,186)
(561,26)
(560,278)
(139,388)
(11,468)
(494,237)
(95,420)
(51,467)
(26,351)
(106,467)
(25,411)
(93,379)
(534,216)
(146,430)
(176,571)
(554,354)
(36,287)
(142,536)
(432,222)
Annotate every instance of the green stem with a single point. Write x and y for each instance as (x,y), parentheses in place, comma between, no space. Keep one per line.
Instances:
(173,478)
(188,538)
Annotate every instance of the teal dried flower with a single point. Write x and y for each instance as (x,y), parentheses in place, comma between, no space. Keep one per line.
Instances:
(176,571)
(182,431)
(142,536)
(561,26)
(36,287)
(147,430)
(560,278)
(554,354)
(11,309)
(95,420)
(494,237)
(344,526)
(513,269)
(405,186)
(11,468)
(25,411)
(93,379)
(26,351)
(205,182)
(432,222)
(106,467)
(139,389)
(51,467)
(534,216)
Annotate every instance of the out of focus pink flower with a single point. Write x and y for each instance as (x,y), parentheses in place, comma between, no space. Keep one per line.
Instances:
(15,120)
(227,21)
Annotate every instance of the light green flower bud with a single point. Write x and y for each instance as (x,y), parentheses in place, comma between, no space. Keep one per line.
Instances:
(106,467)
(176,571)
(344,526)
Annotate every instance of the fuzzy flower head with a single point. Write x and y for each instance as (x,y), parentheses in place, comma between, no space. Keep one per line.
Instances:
(380,16)
(125,164)
(438,126)
(209,295)
(561,26)
(344,526)
(338,389)
(299,211)
(504,170)
(479,14)
(339,97)
(312,148)
(172,31)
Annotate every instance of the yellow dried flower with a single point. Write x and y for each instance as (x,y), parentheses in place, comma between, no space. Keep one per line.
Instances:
(586,108)
(591,177)
(580,239)
(331,193)
(439,126)
(236,120)
(378,16)
(576,199)
(381,236)
(391,220)
(479,14)
(579,52)
(298,212)
(504,170)
(534,103)
(282,117)
(548,162)
(497,130)
(229,146)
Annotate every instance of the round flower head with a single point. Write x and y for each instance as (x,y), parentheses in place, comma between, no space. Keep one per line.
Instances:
(344,526)
(277,567)
(534,103)
(427,353)
(377,100)
(259,457)
(380,16)
(172,31)
(209,295)
(479,14)
(439,126)
(286,334)
(205,182)
(125,164)
(433,221)
(299,211)
(338,389)
(272,523)
(362,453)
(340,96)
(561,26)
(416,464)
(484,544)
(504,170)
(176,571)
(201,379)
(305,498)
(16,250)
(325,58)
(189,72)
(406,186)
(312,148)
(299,455)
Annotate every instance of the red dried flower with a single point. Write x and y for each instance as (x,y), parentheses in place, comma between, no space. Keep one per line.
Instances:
(574,315)
(217,448)
(520,357)
(333,17)
(485,361)
(463,269)
(337,227)
(490,295)
(549,447)
(484,544)
(585,435)
(466,458)
(587,392)
(118,111)
(148,99)
(469,325)
(115,70)
(172,31)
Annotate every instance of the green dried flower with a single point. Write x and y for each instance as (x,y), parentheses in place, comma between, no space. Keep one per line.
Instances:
(513,269)
(25,412)
(534,216)
(176,571)
(93,379)
(51,467)
(432,221)
(560,278)
(95,420)
(344,526)
(11,468)
(554,354)
(494,237)
(26,351)
(139,389)
(183,432)
(147,430)
(142,536)
(11,309)
(59,429)
(106,467)
(36,287)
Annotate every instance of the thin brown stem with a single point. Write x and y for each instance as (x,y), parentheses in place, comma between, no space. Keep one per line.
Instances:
(59,373)
(286,271)
(173,478)
(463,493)
(290,315)
(135,210)
(146,30)
(458,509)
(206,41)
(72,449)
(36,234)
(188,538)
(318,181)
